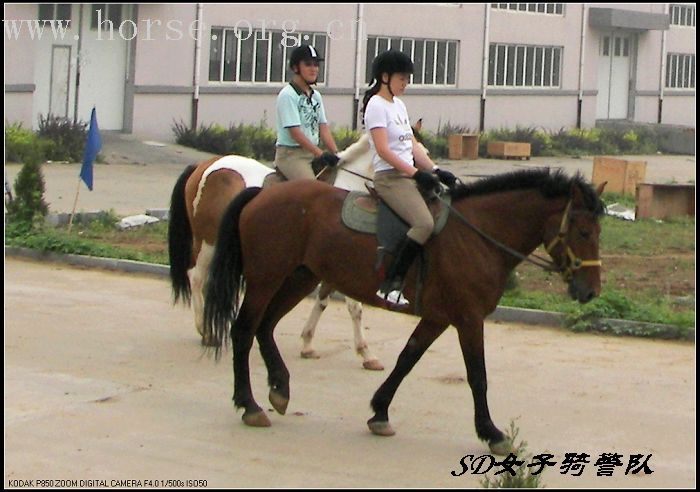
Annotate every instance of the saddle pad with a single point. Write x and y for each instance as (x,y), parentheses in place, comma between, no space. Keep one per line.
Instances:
(359,219)
(252,172)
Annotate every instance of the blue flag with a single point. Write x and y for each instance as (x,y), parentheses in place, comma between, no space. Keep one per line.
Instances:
(92,148)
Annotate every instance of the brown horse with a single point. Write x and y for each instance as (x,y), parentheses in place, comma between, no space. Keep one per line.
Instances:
(282,240)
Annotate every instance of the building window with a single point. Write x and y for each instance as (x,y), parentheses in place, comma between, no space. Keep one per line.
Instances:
(434,60)
(259,56)
(680,71)
(683,15)
(107,12)
(60,12)
(524,66)
(537,8)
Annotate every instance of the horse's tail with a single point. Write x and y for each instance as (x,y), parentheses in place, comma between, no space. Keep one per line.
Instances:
(180,239)
(225,281)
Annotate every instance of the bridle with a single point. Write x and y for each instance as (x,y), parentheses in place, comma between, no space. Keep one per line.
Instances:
(574,262)
(566,269)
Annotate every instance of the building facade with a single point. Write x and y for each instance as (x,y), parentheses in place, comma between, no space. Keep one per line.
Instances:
(479,66)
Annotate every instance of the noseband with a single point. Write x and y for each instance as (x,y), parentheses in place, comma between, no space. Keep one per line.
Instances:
(567,268)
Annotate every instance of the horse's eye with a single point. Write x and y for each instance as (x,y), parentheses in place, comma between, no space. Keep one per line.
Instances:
(584,234)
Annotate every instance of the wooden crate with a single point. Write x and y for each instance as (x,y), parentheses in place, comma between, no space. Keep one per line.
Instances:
(663,201)
(508,149)
(463,146)
(622,175)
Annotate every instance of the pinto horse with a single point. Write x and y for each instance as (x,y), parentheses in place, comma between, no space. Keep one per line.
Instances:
(199,198)
(283,240)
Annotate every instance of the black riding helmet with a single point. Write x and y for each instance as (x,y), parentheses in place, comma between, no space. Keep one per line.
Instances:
(391,62)
(302,53)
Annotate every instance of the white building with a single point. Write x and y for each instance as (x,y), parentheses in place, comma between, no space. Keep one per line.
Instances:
(549,65)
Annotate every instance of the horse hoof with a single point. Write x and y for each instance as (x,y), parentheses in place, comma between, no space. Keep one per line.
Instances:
(279,402)
(381,428)
(256,419)
(501,448)
(309,354)
(373,365)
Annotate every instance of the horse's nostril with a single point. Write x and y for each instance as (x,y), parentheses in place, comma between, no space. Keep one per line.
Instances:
(590,296)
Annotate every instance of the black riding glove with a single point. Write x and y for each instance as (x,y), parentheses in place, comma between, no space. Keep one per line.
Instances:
(328,159)
(427,182)
(446,177)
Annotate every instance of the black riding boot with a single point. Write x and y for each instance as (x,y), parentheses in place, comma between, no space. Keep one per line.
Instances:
(390,290)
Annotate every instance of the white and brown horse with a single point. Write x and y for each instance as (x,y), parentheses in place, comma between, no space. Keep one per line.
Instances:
(199,199)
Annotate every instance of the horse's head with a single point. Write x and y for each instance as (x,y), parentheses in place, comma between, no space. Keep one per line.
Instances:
(572,237)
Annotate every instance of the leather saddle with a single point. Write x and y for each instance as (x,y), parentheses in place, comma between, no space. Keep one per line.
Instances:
(367,213)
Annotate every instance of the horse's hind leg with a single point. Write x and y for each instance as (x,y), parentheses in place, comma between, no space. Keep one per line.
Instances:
(198,277)
(355,310)
(297,286)
(307,334)
(242,333)
(471,340)
(369,361)
(422,337)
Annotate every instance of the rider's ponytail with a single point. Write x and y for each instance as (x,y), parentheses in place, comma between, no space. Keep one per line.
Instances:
(369,93)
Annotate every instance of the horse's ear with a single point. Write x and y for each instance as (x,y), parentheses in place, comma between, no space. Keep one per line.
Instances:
(576,194)
(419,125)
(600,188)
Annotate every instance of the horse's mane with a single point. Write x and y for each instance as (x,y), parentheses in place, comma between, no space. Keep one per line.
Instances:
(356,149)
(550,184)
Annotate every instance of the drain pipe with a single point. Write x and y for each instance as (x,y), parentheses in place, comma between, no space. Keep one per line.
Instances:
(582,53)
(197,64)
(358,50)
(77,66)
(484,66)
(662,74)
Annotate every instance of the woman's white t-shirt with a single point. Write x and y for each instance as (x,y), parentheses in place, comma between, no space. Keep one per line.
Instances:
(393,116)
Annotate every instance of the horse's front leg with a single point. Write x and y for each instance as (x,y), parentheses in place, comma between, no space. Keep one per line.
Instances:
(369,361)
(422,337)
(471,340)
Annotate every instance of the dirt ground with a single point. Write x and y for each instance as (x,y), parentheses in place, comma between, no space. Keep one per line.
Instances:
(105,380)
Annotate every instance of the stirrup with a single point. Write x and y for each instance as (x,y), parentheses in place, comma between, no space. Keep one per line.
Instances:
(393,297)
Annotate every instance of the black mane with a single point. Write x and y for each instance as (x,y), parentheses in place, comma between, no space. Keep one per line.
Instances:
(550,184)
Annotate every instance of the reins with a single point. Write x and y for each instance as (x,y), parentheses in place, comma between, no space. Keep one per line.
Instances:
(539,261)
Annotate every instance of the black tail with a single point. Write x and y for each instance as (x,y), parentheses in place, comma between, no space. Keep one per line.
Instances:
(180,239)
(225,281)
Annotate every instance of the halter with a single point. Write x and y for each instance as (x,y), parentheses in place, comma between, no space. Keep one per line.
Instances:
(574,263)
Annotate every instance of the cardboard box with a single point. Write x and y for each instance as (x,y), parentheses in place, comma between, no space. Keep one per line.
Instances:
(622,175)
(663,201)
(463,146)
(508,149)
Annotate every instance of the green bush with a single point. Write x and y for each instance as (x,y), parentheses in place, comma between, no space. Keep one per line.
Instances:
(68,138)
(23,145)
(345,137)
(28,207)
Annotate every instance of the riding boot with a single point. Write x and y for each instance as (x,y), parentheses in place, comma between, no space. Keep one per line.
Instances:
(391,288)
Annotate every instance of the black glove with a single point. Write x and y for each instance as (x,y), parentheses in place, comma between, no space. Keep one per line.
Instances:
(427,182)
(446,177)
(323,161)
(328,159)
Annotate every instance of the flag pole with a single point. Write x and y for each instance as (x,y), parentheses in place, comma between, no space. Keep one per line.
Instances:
(75,204)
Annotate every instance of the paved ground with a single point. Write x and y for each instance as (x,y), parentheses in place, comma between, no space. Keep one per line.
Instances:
(105,380)
(138,175)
